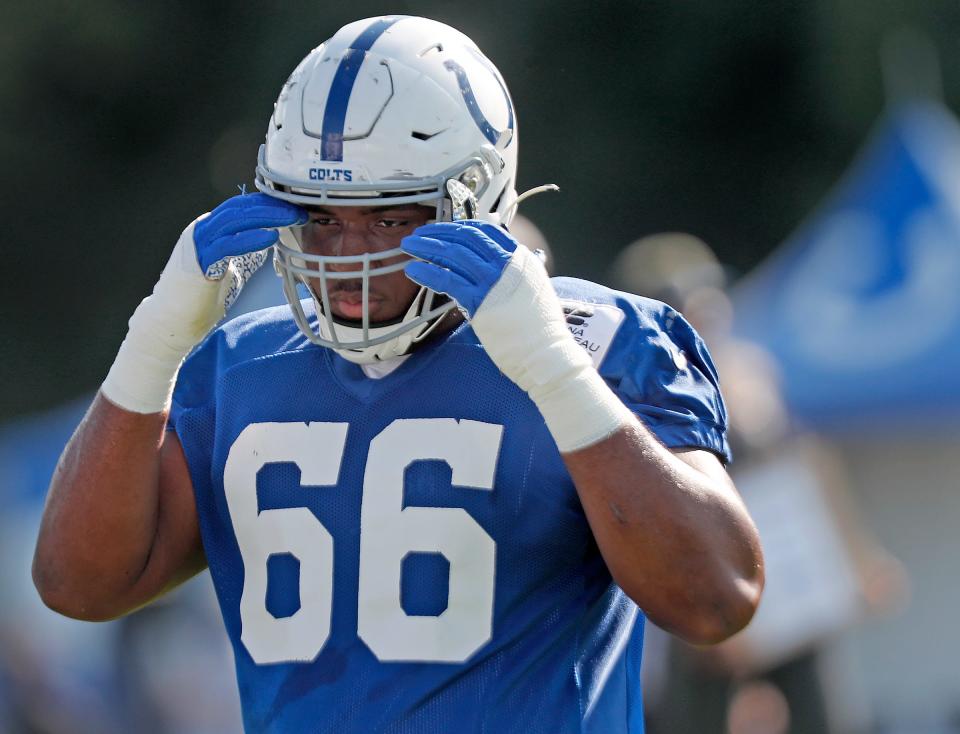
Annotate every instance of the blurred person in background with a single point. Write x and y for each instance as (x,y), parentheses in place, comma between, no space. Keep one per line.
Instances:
(824,569)
(434,489)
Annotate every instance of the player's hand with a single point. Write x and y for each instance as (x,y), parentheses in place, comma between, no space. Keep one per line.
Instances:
(515,313)
(241,226)
(215,255)
(211,261)
(501,286)
(463,259)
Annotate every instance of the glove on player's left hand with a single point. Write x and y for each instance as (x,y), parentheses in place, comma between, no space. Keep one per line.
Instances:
(463,259)
(517,316)
(504,290)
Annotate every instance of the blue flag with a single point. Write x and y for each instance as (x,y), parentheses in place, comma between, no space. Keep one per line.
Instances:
(861,307)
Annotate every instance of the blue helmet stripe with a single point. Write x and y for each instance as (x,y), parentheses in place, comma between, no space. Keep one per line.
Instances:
(335,113)
(488,130)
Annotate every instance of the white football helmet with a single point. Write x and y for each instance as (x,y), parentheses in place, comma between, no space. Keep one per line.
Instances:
(391,110)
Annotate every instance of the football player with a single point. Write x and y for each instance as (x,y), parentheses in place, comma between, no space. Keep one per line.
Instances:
(437,492)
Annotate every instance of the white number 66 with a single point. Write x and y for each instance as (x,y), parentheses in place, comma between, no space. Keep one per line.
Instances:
(388,532)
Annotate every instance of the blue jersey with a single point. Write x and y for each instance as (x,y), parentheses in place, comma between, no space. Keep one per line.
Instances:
(409,554)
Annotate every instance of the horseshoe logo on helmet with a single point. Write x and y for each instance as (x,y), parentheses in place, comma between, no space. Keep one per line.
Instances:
(489,131)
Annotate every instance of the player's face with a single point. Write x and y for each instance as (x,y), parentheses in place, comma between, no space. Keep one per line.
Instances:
(347,230)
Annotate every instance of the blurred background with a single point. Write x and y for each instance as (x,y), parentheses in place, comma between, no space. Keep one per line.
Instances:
(787,174)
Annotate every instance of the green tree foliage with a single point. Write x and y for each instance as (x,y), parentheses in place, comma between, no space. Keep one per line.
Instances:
(123,121)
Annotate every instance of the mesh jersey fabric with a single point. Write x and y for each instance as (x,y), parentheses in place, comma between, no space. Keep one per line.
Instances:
(564,647)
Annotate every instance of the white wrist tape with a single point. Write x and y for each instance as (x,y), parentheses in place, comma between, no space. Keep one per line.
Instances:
(183,307)
(522,326)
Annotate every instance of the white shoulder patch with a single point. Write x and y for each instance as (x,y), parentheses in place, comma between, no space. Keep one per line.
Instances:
(593,325)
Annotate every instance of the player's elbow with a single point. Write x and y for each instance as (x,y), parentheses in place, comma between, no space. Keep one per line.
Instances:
(70,600)
(51,589)
(712,613)
(729,618)
(74,606)
(723,613)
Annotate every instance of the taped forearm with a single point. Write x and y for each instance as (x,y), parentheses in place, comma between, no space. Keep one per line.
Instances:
(183,307)
(522,326)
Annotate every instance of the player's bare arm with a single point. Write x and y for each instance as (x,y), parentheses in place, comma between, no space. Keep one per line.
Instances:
(120,523)
(673,532)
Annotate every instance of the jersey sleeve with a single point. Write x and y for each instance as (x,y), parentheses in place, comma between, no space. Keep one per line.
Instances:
(239,340)
(661,369)
(195,381)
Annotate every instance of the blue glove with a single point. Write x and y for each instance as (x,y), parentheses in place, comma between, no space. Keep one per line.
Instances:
(463,259)
(241,225)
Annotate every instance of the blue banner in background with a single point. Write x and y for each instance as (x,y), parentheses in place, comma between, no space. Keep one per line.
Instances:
(861,307)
